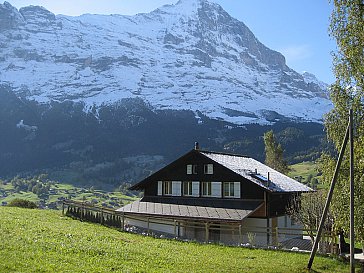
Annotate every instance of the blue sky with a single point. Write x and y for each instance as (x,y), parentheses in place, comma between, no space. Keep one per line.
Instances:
(297,29)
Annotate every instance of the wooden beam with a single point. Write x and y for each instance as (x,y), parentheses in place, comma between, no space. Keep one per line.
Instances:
(123,221)
(175,228)
(206,232)
(148,225)
(240,235)
(329,197)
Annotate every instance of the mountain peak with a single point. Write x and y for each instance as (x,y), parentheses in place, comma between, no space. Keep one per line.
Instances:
(9,16)
(37,14)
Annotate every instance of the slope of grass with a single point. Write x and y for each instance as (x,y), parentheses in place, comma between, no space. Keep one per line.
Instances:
(45,241)
(304,169)
(59,191)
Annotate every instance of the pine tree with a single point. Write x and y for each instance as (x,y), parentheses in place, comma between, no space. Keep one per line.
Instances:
(274,153)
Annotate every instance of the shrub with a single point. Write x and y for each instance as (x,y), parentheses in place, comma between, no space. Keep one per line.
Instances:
(21,203)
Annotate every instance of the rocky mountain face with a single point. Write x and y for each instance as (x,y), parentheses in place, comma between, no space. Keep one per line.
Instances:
(188,56)
(118,95)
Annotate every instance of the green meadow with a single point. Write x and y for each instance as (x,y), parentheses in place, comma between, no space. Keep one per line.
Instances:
(46,241)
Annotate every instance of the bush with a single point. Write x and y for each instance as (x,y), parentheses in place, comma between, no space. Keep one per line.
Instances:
(21,203)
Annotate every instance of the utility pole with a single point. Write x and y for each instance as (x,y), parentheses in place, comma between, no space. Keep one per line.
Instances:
(348,136)
(352,236)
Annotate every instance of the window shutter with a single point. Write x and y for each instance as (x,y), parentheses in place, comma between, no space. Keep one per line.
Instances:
(189,169)
(195,188)
(176,188)
(210,168)
(160,185)
(216,189)
(236,189)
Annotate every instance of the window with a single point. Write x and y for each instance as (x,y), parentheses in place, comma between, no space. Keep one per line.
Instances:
(228,189)
(191,169)
(206,188)
(176,188)
(208,169)
(187,188)
(167,187)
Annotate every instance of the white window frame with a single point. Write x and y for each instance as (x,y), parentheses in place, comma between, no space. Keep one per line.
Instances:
(176,188)
(228,189)
(237,190)
(208,169)
(191,169)
(206,189)
(167,188)
(195,188)
(233,189)
(160,188)
(216,189)
(187,188)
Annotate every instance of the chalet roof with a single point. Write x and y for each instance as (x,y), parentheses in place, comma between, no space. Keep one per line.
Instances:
(188,210)
(257,172)
(246,167)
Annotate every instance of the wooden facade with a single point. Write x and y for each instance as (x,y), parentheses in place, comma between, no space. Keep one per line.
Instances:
(216,188)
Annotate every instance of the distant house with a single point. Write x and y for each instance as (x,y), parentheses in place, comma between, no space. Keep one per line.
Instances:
(209,196)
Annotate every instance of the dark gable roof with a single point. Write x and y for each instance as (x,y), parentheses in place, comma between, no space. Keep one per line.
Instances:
(247,168)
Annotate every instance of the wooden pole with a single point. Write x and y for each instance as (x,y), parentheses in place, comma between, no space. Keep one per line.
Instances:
(206,232)
(268,232)
(123,221)
(240,235)
(352,243)
(148,226)
(329,197)
(175,229)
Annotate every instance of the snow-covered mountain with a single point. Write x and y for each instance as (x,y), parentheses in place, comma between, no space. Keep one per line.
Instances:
(189,56)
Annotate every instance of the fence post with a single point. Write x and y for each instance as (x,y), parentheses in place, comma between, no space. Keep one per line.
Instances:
(240,235)
(276,236)
(175,229)
(206,232)
(148,226)
(123,220)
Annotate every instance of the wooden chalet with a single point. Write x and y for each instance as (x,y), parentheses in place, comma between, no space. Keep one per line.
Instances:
(209,196)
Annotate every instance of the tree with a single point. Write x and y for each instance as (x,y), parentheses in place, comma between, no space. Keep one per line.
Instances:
(22,203)
(307,209)
(347,27)
(274,153)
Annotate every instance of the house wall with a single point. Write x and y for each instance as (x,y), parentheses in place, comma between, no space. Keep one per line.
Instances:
(283,228)
(163,226)
(254,231)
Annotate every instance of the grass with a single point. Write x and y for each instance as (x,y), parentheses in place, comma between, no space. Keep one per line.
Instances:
(304,169)
(45,241)
(59,191)
(301,171)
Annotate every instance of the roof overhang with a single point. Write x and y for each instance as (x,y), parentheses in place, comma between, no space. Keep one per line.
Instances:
(190,212)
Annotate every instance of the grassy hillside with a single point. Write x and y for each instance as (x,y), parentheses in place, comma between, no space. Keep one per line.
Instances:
(45,241)
(50,194)
(307,173)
